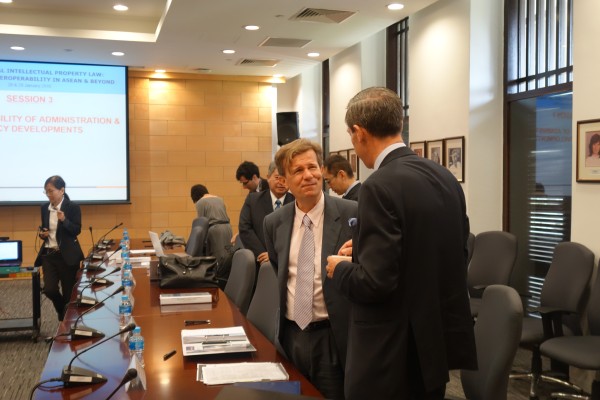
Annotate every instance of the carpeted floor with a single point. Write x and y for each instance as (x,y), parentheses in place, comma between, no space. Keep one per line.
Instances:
(22,360)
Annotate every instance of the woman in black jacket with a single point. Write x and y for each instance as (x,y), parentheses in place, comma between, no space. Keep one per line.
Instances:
(61,253)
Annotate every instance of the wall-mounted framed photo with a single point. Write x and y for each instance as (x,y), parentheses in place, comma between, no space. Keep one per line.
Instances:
(418,148)
(343,153)
(588,151)
(353,159)
(435,151)
(454,157)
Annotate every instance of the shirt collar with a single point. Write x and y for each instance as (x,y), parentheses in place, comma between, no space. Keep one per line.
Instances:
(385,152)
(274,198)
(57,207)
(315,214)
(350,187)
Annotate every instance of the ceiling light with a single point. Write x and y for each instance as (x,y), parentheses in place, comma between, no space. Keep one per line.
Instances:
(277,76)
(160,71)
(6,1)
(118,53)
(17,48)
(313,54)
(251,27)
(228,51)
(395,6)
(120,7)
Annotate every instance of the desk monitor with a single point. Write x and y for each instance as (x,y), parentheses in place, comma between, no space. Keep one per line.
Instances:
(11,253)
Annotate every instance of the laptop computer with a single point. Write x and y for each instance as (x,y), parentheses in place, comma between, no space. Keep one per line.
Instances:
(11,253)
(158,249)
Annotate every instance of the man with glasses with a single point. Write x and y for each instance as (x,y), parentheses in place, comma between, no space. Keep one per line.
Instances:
(338,174)
(249,176)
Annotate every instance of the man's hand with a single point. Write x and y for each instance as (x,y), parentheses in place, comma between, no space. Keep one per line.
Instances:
(332,262)
(346,249)
(262,257)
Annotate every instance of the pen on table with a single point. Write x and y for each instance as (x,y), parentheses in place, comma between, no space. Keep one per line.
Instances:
(197,322)
(169,355)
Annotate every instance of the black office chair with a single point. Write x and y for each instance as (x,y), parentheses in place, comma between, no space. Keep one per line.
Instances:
(497,334)
(196,244)
(470,246)
(492,262)
(564,295)
(264,306)
(579,351)
(241,279)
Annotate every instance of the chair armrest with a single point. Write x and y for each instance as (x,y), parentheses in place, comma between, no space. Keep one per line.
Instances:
(477,291)
(551,320)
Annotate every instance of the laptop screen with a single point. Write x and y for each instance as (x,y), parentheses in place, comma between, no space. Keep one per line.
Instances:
(156,244)
(11,252)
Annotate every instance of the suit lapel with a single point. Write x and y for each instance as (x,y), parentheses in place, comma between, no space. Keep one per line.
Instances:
(265,199)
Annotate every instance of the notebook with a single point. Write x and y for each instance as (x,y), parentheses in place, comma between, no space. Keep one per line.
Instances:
(11,253)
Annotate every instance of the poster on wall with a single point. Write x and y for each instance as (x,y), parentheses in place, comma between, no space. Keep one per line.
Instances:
(454,157)
(588,151)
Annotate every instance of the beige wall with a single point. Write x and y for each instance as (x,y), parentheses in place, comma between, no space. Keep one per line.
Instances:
(182,131)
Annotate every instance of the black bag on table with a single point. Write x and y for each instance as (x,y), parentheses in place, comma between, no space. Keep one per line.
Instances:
(187,271)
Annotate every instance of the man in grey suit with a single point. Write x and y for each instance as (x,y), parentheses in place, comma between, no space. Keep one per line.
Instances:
(256,207)
(338,173)
(313,316)
(410,321)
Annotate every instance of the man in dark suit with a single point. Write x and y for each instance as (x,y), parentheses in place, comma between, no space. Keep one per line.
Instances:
(248,175)
(338,173)
(313,320)
(256,207)
(410,321)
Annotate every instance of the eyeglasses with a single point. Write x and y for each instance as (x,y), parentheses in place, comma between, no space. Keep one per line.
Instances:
(327,180)
(49,192)
(244,183)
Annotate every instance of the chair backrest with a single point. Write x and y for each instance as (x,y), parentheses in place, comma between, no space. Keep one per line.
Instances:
(493,259)
(593,311)
(497,336)
(196,244)
(264,306)
(241,279)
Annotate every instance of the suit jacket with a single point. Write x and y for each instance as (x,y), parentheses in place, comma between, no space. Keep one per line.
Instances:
(407,282)
(336,231)
(263,185)
(353,193)
(256,207)
(66,232)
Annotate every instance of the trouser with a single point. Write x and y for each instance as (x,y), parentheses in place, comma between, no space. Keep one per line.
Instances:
(57,272)
(315,355)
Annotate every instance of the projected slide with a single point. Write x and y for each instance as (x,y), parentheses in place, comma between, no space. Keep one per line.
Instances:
(63,119)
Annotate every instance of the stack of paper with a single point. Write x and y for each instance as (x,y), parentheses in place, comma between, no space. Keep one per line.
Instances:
(215,341)
(219,374)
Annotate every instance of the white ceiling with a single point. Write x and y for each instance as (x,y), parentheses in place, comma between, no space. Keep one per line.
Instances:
(189,35)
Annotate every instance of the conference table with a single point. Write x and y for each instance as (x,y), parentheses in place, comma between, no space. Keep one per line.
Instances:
(174,378)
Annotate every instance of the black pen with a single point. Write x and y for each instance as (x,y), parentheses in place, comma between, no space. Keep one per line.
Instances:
(189,322)
(169,355)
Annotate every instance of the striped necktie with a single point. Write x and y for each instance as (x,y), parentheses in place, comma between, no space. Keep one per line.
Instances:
(277,204)
(305,275)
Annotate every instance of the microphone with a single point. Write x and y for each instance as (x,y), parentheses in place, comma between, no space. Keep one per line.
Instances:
(93,245)
(83,331)
(130,375)
(101,240)
(72,376)
(101,281)
(97,266)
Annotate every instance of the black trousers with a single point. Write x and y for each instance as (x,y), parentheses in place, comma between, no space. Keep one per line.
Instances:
(57,272)
(314,353)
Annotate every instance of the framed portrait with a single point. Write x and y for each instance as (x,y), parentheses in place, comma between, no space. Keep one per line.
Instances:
(454,157)
(435,151)
(353,159)
(418,148)
(588,151)
(343,153)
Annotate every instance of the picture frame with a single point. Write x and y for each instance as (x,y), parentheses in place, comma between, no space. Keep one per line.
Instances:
(588,151)
(353,160)
(418,148)
(454,156)
(343,153)
(435,151)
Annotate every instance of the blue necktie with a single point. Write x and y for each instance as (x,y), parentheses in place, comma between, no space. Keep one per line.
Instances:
(277,204)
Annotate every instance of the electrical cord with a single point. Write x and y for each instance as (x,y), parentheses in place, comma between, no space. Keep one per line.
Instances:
(37,385)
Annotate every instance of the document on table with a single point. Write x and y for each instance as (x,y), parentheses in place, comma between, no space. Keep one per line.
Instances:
(219,374)
(142,251)
(215,341)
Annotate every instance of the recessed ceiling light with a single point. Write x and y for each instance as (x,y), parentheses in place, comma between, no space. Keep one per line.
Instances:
(251,27)
(228,51)
(118,53)
(120,7)
(395,6)
(17,48)
(6,1)
(277,76)
(313,54)
(160,71)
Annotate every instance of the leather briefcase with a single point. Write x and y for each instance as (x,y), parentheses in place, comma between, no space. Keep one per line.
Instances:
(187,271)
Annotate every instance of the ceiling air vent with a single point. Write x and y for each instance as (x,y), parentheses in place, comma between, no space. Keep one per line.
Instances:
(283,42)
(257,63)
(322,15)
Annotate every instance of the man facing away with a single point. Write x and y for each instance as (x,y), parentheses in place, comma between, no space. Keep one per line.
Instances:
(256,207)
(249,176)
(338,173)
(313,320)
(410,319)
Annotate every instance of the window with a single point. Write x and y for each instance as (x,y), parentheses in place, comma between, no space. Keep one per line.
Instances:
(397,66)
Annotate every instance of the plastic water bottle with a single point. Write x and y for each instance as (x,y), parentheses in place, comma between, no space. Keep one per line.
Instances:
(136,345)
(127,281)
(124,311)
(124,253)
(126,237)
